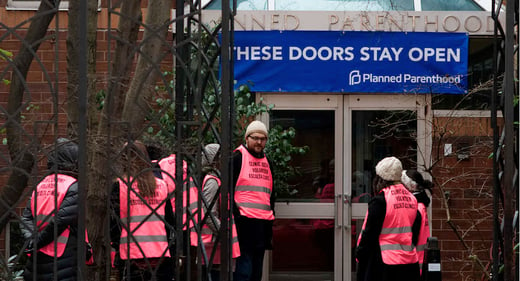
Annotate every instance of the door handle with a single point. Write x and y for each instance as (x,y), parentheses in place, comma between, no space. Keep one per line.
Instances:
(336,206)
(346,219)
(348,199)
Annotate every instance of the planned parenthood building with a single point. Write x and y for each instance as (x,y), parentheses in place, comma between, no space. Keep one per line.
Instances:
(360,81)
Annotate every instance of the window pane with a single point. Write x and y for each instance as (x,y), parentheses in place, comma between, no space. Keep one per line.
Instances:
(376,135)
(322,5)
(343,5)
(480,71)
(315,129)
(243,5)
(302,250)
(450,5)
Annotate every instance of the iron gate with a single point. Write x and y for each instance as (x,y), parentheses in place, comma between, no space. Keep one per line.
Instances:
(109,75)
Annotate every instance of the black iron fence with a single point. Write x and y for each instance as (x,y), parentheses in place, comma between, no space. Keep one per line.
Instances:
(106,110)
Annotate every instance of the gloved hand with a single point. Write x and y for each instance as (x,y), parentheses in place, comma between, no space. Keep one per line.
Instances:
(88,249)
(30,247)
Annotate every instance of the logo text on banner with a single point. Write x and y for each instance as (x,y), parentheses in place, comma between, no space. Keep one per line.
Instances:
(351,62)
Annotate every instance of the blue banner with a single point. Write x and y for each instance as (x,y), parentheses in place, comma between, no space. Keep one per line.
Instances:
(351,62)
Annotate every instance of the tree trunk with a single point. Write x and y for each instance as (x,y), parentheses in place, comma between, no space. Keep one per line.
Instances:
(104,142)
(148,70)
(73,67)
(22,158)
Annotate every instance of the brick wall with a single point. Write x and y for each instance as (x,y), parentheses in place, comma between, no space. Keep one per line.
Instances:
(463,220)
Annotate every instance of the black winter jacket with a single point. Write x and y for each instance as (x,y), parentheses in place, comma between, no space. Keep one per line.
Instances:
(62,160)
(42,266)
(368,252)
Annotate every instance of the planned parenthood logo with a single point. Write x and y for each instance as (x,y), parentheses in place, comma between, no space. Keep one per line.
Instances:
(355,77)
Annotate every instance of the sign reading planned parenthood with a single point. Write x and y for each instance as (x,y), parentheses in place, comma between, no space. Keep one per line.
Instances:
(351,62)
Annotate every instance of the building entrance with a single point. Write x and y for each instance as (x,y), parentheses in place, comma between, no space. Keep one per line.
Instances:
(318,217)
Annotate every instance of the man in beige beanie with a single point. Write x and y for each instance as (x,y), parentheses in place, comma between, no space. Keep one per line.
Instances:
(256,136)
(254,202)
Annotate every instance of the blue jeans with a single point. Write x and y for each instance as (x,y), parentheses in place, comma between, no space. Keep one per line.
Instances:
(249,265)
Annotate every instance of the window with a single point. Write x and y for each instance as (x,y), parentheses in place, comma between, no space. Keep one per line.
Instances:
(450,5)
(480,71)
(350,5)
(28,5)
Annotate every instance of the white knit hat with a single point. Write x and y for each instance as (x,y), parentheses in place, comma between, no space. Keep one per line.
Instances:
(209,153)
(256,127)
(389,169)
(408,182)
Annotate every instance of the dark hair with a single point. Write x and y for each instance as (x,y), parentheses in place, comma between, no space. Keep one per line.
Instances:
(379,183)
(136,164)
(422,184)
(154,149)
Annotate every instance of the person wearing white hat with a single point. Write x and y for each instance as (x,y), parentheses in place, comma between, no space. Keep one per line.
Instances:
(254,202)
(386,244)
(421,189)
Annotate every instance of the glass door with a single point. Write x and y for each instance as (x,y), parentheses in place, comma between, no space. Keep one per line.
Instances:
(319,216)
(375,130)
(307,243)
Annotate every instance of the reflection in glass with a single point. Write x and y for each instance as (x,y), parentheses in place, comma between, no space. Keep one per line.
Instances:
(242,5)
(450,5)
(302,250)
(314,129)
(320,5)
(343,5)
(376,135)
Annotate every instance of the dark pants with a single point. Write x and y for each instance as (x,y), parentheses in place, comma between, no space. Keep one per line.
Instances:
(249,265)
(140,270)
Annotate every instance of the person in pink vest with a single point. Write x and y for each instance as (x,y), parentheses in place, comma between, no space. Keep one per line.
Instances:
(422,190)
(253,202)
(42,217)
(211,207)
(386,244)
(139,225)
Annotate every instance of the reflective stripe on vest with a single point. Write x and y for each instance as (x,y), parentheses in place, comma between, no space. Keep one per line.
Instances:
(167,166)
(145,220)
(254,187)
(424,233)
(395,239)
(207,234)
(55,185)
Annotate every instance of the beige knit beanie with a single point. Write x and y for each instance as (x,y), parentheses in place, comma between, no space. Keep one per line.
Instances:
(256,127)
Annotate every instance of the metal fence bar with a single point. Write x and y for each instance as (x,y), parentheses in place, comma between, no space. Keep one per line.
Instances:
(82,137)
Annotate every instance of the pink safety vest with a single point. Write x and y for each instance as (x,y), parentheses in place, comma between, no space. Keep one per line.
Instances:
(424,233)
(51,186)
(168,173)
(207,234)
(145,220)
(395,239)
(254,187)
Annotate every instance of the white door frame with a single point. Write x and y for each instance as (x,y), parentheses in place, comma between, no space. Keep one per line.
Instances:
(343,210)
(421,104)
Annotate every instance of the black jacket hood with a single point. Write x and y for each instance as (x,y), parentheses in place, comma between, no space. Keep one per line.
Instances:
(64,157)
